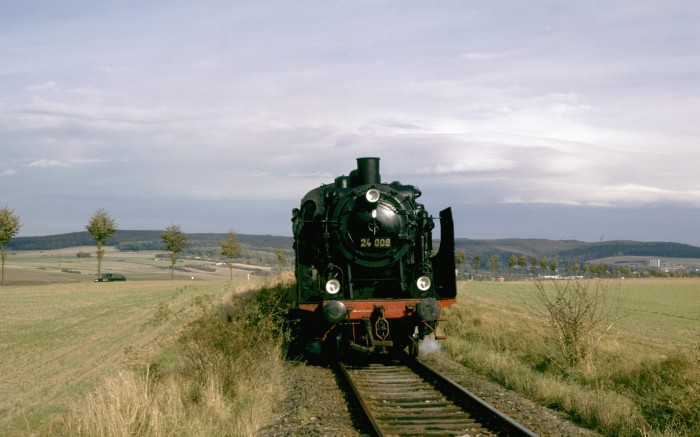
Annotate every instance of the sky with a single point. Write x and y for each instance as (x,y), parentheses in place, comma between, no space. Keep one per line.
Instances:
(576,120)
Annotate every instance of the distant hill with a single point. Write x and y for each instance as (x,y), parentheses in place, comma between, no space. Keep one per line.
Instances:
(572,250)
(144,240)
(562,250)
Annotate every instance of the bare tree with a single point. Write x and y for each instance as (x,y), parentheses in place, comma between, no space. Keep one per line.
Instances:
(230,249)
(9,226)
(101,227)
(576,313)
(176,241)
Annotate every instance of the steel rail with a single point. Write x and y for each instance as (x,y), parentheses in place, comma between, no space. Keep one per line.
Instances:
(357,394)
(413,399)
(512,427)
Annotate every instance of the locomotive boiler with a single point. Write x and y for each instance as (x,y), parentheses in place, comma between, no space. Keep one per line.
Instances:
(367,277)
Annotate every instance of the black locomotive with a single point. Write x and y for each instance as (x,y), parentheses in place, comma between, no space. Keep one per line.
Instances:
(367,278)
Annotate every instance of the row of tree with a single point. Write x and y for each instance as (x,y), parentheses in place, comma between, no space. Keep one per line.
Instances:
(538,266)
(102,226)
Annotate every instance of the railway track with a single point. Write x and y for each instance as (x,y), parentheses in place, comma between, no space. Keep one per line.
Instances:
(410,398)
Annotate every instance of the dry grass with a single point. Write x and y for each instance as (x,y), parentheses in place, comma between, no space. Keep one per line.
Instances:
(172,405)
(227,381)
(59,341)
(635,383)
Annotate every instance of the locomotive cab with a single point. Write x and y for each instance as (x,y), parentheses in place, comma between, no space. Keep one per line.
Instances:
(364,264)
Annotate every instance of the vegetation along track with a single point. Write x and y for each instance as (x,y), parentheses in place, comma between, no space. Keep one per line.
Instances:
(410,398)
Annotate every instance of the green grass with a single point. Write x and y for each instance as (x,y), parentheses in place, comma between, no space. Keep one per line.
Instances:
(643,376)
(658,310)
(662,310)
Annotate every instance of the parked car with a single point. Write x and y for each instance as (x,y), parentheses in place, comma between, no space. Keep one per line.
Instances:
(109,277)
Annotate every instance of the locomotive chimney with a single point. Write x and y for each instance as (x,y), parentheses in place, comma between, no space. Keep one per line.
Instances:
(368,171)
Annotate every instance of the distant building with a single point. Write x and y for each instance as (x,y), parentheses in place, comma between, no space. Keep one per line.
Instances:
(656,262)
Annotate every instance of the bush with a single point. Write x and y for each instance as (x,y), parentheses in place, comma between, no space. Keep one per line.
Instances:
(575,314)
(233,333)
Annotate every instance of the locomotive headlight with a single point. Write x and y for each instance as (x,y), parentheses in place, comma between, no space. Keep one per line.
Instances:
(372,195)
(423,283)
(333,286)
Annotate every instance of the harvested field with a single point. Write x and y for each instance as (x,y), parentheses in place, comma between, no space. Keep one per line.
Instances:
(58,340)
(64,266)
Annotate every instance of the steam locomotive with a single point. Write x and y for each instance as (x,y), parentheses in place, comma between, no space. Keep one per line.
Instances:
(367,278)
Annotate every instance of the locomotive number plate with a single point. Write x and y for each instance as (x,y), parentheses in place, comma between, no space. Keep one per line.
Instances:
(366,243)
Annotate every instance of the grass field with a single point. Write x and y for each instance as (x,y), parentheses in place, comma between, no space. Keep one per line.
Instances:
(643,374)
(58,340)
(661,311)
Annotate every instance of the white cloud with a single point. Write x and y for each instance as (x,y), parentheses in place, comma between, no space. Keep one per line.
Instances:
(8,172)
(48,163)
(484,56)
(42,87)
(65,162)
(473,165)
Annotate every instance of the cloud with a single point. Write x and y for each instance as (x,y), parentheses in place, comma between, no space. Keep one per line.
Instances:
(8,172)
(473,165)
(42,87)
(484,56)
(268,100)
(65,162)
